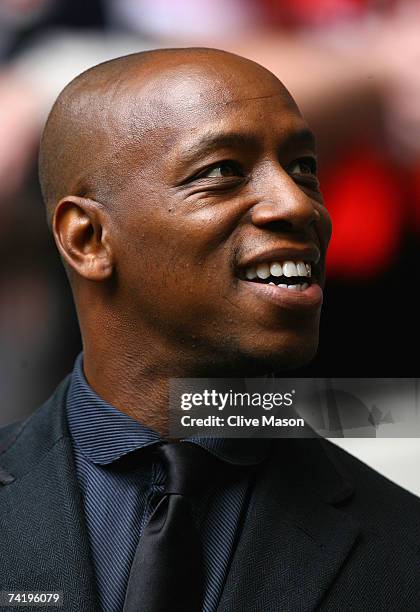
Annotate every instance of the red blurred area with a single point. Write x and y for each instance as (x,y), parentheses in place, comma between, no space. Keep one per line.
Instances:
(365,195)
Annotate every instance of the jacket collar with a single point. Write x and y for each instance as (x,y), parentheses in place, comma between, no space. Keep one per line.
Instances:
(294,540)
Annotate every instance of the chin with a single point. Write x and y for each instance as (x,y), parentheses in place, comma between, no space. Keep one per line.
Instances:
(266,355)
(290,356)
(287,349)
(296,357)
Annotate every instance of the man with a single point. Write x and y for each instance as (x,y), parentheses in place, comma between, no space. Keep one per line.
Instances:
(178,185)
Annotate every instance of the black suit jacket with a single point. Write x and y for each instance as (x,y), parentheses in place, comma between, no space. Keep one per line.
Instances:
(323,531)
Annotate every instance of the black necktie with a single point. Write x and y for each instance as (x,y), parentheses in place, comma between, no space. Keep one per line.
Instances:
(167,571)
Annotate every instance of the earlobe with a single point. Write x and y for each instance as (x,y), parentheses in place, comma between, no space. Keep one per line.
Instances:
(80,232)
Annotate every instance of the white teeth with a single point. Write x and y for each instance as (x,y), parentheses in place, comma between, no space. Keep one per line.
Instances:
(263,271)
(276,269)
(289,269)
(271,283)
(301,269)
(299,287)
(251,273)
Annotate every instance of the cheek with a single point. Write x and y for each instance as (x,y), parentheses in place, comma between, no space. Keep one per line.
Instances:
(165,277)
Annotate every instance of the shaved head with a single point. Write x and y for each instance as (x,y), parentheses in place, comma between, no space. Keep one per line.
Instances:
(170,177)
(112,109)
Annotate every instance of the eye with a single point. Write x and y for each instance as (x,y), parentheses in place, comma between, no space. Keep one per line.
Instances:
(224,169)
(306,166)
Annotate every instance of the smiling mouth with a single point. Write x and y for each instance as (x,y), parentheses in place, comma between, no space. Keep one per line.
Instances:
(292,275)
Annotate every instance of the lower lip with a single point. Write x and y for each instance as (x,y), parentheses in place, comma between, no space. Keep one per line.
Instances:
(309,299)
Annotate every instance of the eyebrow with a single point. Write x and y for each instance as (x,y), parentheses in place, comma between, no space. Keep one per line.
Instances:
(303,136)
(208,143)
(212,141)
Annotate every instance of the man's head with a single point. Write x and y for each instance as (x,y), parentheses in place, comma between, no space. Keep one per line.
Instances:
(169,176)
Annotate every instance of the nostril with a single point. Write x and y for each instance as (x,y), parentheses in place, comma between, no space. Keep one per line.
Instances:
(286,214)
(280,225)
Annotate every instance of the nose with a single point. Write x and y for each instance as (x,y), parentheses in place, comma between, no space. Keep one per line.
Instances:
(284,206)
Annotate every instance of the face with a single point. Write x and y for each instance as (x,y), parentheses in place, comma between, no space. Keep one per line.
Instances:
(221,231)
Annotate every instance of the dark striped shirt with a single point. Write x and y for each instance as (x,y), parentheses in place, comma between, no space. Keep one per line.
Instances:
(118,501)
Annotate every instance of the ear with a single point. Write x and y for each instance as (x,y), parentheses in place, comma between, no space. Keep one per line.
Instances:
(80,231)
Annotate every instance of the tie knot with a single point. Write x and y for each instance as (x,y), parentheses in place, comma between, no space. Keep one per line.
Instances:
(189,467)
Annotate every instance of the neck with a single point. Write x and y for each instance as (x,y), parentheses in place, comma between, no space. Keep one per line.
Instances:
(132,371)
(131,384)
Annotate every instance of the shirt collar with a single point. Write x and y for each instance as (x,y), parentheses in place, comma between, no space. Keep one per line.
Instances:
(103,434)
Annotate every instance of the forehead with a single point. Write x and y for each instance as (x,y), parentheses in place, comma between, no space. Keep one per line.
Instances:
(208,87)
(177,108)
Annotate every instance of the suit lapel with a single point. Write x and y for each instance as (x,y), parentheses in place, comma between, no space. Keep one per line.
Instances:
(44,533)
(293,540)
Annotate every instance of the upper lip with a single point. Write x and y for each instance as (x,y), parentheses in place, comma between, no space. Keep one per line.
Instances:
(308,254)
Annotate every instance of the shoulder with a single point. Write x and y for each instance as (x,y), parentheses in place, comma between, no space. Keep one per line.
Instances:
(327,482)
(366,478)
(375,495)
(341,479)
(387,551)
(9,433)
(24,443)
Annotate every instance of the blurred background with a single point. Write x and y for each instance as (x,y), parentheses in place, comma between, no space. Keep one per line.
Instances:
(354,68)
